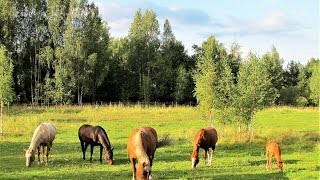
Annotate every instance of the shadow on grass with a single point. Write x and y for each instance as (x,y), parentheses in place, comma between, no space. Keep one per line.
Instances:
(210,174)
(263,162)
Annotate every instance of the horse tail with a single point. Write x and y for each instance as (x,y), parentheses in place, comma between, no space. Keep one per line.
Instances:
(164,141)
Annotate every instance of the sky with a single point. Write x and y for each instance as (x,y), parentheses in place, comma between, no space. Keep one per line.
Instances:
(292,26)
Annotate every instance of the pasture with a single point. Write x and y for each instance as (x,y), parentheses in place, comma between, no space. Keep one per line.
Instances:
(296,130)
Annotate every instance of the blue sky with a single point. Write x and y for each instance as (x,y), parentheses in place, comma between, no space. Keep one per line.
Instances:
(292,26)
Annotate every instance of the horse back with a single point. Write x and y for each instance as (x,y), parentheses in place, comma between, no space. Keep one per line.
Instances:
(273,148)
(142,139)
(86,133)
(206,137)
(47,133)
(150,138)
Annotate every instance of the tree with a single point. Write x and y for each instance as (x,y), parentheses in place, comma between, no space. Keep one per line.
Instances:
(254,86)
(6,92)
(204,78)
(273,64)
(143,45)
(315,84)
(289,91)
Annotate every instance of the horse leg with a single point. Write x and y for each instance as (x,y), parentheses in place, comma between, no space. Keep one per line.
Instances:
(210,157)
(85,144)
(151,160)
(205,155)
(47,154)
(91,152)
(83,150)
(133,167)
(43,149)
(101,154)
(38,148)
(267,165)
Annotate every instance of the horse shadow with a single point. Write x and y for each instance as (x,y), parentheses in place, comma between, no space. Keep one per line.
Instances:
(73,154)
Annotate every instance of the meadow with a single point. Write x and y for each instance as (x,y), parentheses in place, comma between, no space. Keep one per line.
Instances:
(296,130)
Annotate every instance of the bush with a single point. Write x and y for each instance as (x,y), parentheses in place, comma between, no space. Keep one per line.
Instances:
(302,101)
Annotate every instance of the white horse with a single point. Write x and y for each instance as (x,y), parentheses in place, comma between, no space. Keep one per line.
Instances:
(43,136)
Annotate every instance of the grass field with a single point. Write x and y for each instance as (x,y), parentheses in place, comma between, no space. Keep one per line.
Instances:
(296,130)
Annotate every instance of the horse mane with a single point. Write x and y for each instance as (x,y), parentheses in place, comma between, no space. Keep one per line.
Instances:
(199,136)
(35,141)
(104,140)
(139,150)
(40,133)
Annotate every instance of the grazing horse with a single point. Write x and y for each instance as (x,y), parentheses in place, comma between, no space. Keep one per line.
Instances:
(141,147)
(95,136)
(273,149)
(205,139)
(43,136)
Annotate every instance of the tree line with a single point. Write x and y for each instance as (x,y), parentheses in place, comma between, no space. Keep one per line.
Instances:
(63,53)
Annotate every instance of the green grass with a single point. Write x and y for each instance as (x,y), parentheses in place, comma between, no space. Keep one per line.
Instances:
(296,130)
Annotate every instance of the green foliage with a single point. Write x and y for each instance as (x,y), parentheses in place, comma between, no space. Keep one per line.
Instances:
(6,81)
(273,64)
(204,78)
(253,90)
(315,83)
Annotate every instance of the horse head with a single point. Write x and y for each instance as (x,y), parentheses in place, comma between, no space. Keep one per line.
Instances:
(194,158)
(143,171)
(280,165)
(30,156)
(109,156)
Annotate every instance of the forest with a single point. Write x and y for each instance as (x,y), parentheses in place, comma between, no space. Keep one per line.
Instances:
(61,52)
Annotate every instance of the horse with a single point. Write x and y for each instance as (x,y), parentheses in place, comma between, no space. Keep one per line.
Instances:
(273,149)
(141,147)
(205,138)
(95,136)
(43,136)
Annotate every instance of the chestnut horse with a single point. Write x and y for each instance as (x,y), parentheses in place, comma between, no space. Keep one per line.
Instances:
(273,149)
(43,136)
(95,136)
(205,138)
(141,147)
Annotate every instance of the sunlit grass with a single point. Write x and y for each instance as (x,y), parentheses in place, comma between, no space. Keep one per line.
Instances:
(296,130)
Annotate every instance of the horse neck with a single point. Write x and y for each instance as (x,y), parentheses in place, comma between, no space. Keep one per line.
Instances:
(195,150)
(103,138)
(35,142)
(278,155)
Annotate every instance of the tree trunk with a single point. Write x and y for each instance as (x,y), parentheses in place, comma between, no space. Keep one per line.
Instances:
(248,131)
(239,131)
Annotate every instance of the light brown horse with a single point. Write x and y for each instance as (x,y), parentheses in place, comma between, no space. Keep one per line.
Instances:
(273,149)
(205,138)
(43,136)
(141,147)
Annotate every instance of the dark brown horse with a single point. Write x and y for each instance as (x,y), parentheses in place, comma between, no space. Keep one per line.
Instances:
(141,147)
(95,136)
(205,138)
